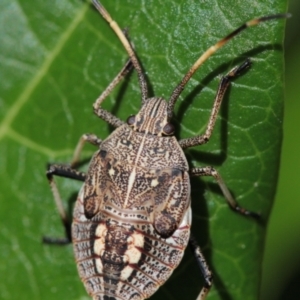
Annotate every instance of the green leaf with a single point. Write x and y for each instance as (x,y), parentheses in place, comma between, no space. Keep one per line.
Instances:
(57,57)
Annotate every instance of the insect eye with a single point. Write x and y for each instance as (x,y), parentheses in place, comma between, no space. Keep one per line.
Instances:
(168,129)
(131,120)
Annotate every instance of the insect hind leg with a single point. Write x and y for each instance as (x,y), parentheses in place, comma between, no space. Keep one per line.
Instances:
(205,270)
(67,171)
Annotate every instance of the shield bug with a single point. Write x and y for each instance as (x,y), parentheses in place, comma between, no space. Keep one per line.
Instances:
(132,218)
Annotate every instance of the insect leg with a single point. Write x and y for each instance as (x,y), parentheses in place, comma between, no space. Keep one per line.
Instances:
(224,84)
(206,272)
(90,138)
(210,171)
(67,172)
(104,114)
(210,51)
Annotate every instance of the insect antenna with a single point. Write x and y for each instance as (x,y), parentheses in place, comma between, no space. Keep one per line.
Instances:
(210,51)
(122,37)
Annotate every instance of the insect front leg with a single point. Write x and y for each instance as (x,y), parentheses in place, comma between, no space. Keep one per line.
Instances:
(210,171)
(205,270)
(66,172)
(104,114)
(224,84)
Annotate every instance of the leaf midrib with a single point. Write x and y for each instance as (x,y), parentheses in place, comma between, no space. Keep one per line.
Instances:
(41,72)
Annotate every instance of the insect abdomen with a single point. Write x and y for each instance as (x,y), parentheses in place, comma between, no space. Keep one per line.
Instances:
(123,260)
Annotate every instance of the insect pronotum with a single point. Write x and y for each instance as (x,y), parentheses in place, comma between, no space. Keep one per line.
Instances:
(132,218)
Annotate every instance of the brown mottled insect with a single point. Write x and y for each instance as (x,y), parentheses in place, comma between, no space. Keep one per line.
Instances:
(132,217)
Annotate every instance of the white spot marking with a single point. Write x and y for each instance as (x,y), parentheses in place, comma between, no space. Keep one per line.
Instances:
(101,230)
(154,182)
(99,244)
(111,172)
(99,265)
(132,253)
(126,272)
(137,239)
(99,247)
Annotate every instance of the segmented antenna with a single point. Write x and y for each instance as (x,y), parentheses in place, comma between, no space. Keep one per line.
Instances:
(210,51)
(115,27)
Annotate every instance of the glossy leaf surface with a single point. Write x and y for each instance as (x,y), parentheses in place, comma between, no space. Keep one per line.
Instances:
(57,57)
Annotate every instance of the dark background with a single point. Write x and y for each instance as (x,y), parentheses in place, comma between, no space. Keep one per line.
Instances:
(281,268)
